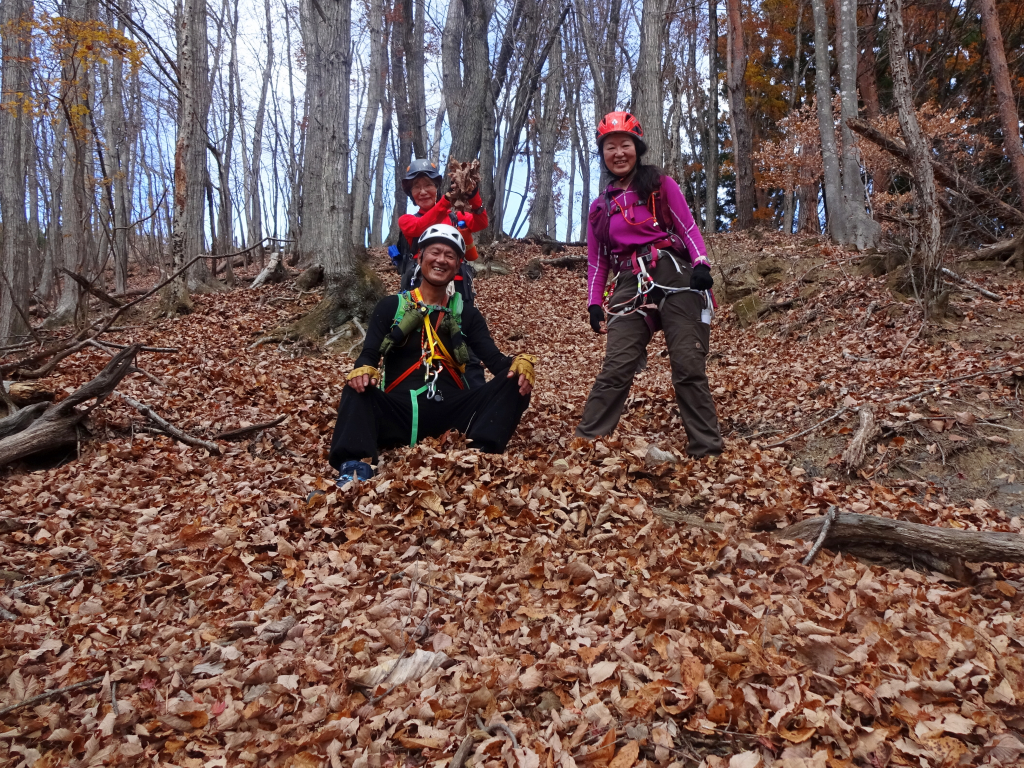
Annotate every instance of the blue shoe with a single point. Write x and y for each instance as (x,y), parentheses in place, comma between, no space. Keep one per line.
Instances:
(354,470)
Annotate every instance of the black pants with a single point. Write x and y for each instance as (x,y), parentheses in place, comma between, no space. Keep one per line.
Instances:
(374,420)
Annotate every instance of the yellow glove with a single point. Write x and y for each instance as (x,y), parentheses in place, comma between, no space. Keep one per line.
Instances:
(523,365)
(364,370)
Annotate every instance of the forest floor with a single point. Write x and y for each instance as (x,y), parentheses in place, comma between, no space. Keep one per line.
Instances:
(214,617)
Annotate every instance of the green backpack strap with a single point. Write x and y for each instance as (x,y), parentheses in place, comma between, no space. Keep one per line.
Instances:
(455,306)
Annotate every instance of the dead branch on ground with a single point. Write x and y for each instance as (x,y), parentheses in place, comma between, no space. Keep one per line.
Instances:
(971,284)
(243,432)
(170,429)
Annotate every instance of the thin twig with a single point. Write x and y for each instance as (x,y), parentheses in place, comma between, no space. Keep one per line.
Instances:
(238,434)
(830,517)
(498,725)
(51,693)
(807,431)
(125,346)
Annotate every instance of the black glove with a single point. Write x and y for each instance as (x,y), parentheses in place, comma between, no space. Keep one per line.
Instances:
(596,317)
(700,279)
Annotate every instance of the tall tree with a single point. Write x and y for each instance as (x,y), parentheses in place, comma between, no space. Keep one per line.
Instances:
(189,153)
(15,18)
(467,123)
(548,122)
(928,256)
(742,137)
(376,73)
(1004,92)
(711,140)
(648,92)
(254,202)
(835,214)
(350,287)
(862,231)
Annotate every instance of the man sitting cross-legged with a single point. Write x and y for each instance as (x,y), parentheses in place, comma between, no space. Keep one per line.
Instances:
(419,391)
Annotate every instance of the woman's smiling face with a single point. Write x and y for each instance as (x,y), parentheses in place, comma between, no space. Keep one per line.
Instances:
(619,154)
(424,192)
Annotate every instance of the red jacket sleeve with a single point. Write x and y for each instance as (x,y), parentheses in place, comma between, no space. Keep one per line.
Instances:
(475,221)
(413,226)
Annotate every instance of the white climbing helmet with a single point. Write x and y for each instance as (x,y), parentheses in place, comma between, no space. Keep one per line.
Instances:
(443,233)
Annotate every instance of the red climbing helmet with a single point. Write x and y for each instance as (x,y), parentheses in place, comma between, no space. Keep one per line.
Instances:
(622,122)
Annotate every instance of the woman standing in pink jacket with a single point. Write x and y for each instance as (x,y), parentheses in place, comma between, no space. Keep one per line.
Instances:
(641,232)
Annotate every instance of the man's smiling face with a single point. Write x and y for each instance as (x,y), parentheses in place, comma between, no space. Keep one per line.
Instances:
(439,263)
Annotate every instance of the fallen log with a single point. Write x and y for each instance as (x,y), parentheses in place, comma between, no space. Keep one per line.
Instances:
(243,432)
(565,261)
(90,288)
(995,252)
(911,539)
(28,392)
(57,426)
(20,420)
(170,429)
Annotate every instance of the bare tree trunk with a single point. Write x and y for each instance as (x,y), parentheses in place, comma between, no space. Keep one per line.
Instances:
(254,203)
(790,192)
(742,140)
(467,129)
(118,143)
(862,232)
(190,150)
(648,95)
(350,287)
(224,243)
(376,74)
(711,141)
(548,124)
(1004,92)
(928,255)
(377,227)
(834,209)
(605,63)
(79,248)
(413,30)
(15,20)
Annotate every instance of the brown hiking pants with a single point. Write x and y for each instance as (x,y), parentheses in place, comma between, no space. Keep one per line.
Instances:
(687,339)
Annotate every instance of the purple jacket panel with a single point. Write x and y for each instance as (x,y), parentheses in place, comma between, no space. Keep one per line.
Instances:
(631,227)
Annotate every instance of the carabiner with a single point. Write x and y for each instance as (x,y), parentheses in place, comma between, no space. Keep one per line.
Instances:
(432,392)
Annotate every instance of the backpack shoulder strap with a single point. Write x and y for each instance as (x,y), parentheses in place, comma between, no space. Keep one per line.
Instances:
(455,306)
(403,305)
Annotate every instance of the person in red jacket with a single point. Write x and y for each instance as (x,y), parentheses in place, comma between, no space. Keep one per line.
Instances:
(421,183)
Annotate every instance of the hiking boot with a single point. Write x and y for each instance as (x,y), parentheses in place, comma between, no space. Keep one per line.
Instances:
(353,470)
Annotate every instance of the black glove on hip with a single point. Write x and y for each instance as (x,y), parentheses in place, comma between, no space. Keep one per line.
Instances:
(700,279)
(596,317)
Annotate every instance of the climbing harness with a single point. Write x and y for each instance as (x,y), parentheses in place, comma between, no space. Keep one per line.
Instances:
(413,312)
(646,285)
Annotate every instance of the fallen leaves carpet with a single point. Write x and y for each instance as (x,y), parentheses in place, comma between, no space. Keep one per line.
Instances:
(213,617)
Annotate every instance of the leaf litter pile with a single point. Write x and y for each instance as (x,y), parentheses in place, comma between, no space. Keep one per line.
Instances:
(546,607)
